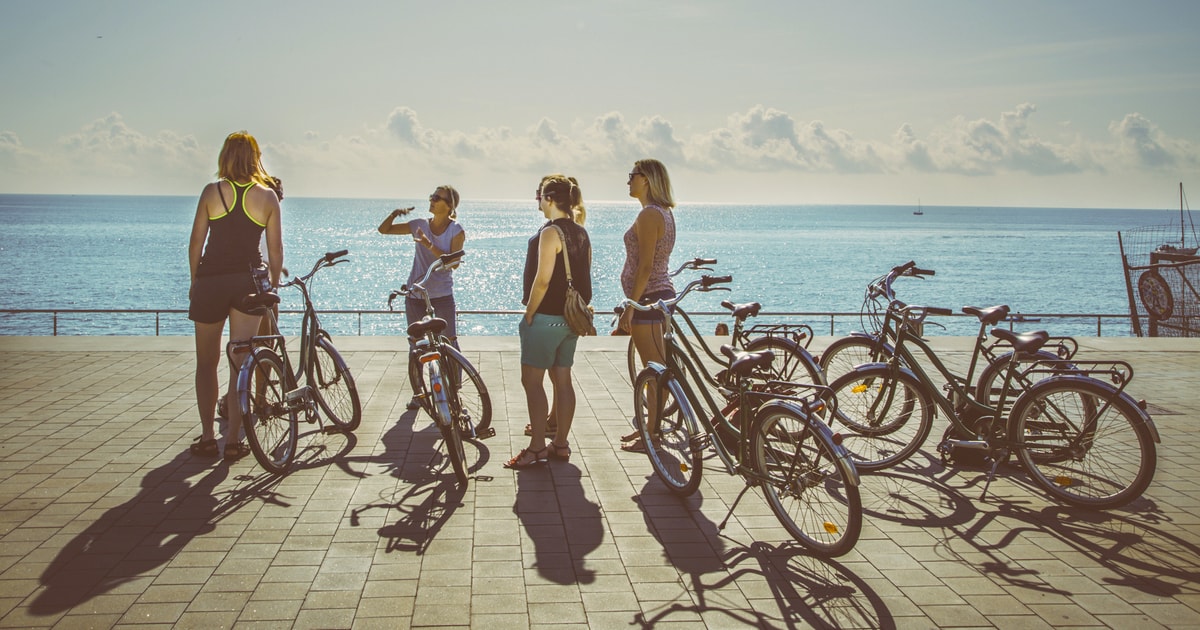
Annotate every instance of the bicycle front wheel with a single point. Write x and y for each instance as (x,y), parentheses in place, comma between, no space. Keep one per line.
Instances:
(470,403)
(1083,444)
(336,392)
(809,487)
(844,354)
(887,414)
(268,419)
(669,437)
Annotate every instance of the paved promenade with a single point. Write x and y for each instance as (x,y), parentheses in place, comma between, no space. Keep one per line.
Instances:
(108,521)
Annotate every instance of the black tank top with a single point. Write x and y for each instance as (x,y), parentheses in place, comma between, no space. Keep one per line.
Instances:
(233,238)
(579,248)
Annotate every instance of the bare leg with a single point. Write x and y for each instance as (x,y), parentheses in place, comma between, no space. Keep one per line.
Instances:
(648,339)
(535,399)
(208,357)
(241,328)
(564,403)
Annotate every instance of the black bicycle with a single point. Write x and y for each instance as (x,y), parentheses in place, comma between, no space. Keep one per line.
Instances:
(766,431)
(1071,424)
(444,382)
(269,394)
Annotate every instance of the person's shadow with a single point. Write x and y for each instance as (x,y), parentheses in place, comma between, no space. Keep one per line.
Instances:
(146,531)
(560,520)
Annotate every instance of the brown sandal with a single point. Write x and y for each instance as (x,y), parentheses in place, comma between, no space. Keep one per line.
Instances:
(551,427)
(535,459)
(560,452)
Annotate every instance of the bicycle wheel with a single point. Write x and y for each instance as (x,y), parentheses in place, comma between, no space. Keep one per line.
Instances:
(633,362)
(269,422)
(843,354)
(1083,444)
(468,398)
(445,422)
(887,413)
(670,444)
(810,489)
(336,392)
(991,381)
(792,362)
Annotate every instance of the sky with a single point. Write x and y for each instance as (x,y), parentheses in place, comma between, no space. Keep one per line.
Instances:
(958,102)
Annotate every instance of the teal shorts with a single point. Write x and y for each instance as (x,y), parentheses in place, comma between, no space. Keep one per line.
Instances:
(548,342)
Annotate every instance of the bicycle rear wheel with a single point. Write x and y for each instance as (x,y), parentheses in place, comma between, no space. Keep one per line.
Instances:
(886,412)
(336,392)
(812,491)
(267,418)
(1083,444)
(445,421)
(470,403)
(792,362)
(670,442)
(991,382)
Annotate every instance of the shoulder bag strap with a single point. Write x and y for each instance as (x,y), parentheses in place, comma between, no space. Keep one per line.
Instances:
(566,254)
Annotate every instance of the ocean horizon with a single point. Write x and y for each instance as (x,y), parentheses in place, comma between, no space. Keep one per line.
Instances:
(130,252)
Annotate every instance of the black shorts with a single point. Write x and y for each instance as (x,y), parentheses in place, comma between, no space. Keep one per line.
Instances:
(655,316)
(214,296)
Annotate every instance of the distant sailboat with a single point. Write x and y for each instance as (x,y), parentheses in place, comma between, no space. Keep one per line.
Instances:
(918,211)
(1171,251)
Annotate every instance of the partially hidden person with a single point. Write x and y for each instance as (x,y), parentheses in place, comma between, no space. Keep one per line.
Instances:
(433,237)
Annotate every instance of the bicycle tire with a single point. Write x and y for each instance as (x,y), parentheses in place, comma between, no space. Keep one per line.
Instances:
(792,362)
(336,391)
(468,397)
(887,413)
(674,453)
(416,380)
(811,490)
(991,381)
(445,422)
(268,420)
(843,354)
(633,363)
(1085,467)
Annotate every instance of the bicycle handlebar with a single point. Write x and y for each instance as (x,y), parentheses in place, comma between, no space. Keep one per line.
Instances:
(705,283)
(441,262)
(696,264)
(328,259)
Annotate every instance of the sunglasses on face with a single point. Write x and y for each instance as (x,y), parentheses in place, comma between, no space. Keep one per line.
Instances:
(436,197)
(538,196)
(632,173)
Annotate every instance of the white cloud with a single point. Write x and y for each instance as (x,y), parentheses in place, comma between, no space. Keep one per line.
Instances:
(1143,144)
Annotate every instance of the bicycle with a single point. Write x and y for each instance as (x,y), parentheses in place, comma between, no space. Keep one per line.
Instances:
(269,394)
(880,314)
(807,478)
(444,382)
(788,341)
(1067,428)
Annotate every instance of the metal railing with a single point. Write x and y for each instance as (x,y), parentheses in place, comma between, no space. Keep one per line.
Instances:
(832,316)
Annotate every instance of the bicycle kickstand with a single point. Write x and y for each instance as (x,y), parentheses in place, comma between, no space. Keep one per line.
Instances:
(996,459)
(725,520)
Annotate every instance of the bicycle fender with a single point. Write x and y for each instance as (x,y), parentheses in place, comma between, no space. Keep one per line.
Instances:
(820,428)
(450,350)
(1110,389)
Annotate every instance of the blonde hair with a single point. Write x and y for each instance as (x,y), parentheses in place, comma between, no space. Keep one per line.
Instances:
(241,160)
(659,181)
(565,193)
(450,190)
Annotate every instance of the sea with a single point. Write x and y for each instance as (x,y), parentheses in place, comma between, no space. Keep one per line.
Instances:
(73,252)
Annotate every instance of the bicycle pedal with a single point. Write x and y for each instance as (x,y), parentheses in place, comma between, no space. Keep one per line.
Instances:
(485,434)
(701,442)
(330,429)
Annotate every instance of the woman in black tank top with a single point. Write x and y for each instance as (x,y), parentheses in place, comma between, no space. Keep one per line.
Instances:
(231,217)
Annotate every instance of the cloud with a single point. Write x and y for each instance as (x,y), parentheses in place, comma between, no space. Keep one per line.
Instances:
(766,139)
(109,147)
(986,147)
(1142,143)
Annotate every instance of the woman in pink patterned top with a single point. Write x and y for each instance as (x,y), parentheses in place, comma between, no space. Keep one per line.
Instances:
(648,245)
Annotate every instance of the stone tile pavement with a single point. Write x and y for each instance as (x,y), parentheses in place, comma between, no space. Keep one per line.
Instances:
(107,521)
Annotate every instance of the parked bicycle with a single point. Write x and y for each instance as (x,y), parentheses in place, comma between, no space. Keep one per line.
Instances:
(269,394)
(762,430)
(444,382)
(789,342)
(1071,424)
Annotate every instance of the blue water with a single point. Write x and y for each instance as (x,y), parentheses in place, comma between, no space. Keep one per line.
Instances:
(112,252)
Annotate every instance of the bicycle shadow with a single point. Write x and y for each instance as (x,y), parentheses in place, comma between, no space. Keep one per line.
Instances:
(431,494)
(918,492)
(169,511)
(561,522)
(808,591)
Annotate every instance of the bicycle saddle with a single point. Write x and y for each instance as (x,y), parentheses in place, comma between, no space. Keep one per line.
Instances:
(743,363)
(427,324)
(1024,343)
(991,315)
(258,303)
(742,311)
